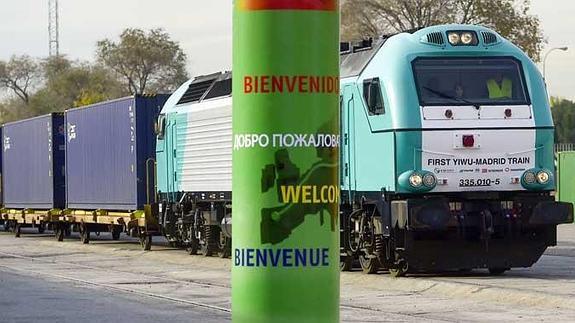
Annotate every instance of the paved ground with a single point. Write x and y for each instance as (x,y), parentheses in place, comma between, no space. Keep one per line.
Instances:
(116,281)
(62,301)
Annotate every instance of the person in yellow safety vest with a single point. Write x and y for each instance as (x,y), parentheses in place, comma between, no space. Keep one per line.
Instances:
(500,87)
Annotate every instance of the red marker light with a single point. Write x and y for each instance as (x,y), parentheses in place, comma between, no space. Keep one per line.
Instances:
(448,114)
(508,113)
(468,141)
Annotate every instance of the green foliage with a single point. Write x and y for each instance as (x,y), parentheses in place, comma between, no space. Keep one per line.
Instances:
(19,75)
(140,63)
(510,18)
(564,118)
(78,84)
(65,85)
(146,62)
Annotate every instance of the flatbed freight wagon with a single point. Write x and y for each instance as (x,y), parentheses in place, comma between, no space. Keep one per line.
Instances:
(33,181)
(110,167)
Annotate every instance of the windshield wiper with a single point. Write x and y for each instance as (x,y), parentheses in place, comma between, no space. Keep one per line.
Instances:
(451,97)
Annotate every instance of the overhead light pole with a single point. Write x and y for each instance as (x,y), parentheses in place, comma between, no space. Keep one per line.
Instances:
(53,28)
(565,48)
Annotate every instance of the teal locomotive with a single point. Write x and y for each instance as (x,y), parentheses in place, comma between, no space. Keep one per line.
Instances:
(446,152)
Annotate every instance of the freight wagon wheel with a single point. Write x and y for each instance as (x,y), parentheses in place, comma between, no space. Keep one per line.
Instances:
(17,230)
(84,234)
(116,231)
(59,232)
(146,241)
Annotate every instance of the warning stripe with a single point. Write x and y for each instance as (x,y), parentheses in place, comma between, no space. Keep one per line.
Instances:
(324,5)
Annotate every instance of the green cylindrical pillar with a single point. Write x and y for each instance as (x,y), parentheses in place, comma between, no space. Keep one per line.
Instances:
(285,161)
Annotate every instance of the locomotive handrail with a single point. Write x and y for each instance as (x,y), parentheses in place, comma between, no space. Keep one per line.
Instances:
(151,159)
(524,151)
(453,155)
(434,152)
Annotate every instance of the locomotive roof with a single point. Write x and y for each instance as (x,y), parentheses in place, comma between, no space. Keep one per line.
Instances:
(356,56)
(207,87)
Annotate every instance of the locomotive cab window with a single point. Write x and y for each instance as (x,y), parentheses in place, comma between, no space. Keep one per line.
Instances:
(470,81)
(372,96)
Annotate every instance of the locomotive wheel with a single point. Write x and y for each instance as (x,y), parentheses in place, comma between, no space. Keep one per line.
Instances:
(116,231)
(372,247)
(345,263)
(225,247)
(192,248)
(369,265)
(210,245)
(399,271)
(497,271)
(41,227)
(350,240)
(146,241)
(17,230)
(84,234)
(193,245)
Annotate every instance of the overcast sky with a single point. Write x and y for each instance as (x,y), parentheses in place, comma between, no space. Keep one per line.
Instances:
(204,29)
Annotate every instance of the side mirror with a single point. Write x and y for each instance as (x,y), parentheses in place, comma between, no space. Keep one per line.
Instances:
(373,96)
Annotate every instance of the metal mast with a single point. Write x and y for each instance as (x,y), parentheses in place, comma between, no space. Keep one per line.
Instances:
(53,33)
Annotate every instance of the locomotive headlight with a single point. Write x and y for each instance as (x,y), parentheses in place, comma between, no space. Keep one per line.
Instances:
(529,177)
(543,177)
(429,180)
(415,180)
(537,179)
(454,38)
(466,38)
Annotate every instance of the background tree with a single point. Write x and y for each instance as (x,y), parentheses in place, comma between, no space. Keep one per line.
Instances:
(510,18)
(147,62)
(20,75)
(65,84)
(564,118)
(79,83)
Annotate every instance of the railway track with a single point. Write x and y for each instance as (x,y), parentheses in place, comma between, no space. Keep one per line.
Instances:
(123,287)
(140,279)
(169,275)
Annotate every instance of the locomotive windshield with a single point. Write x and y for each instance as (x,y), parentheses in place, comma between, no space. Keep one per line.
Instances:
(470,81)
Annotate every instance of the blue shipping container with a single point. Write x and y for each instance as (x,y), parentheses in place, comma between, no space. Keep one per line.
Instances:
(110,154)
(33,163)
